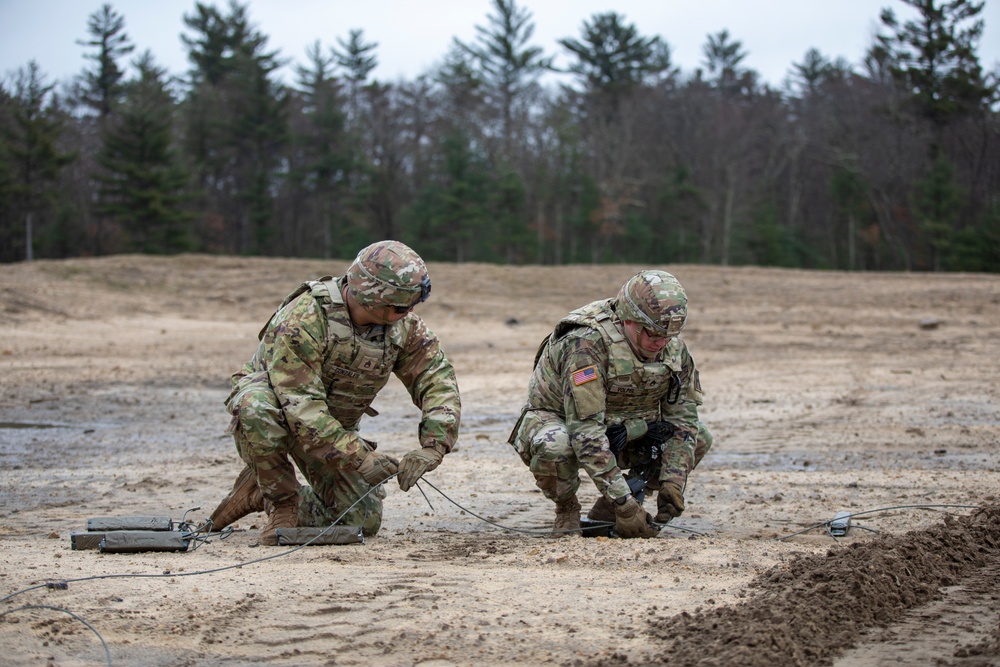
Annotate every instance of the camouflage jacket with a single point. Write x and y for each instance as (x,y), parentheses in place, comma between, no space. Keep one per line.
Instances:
(586,373)
(325,373)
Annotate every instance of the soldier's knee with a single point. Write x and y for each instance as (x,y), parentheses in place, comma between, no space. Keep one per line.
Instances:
(556,489)
(554,463)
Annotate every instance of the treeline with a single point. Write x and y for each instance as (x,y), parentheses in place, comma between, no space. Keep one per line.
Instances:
(888,164)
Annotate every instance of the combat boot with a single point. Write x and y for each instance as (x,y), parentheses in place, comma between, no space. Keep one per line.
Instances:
(245,498)
(602,511)
(282,514)
(567,517)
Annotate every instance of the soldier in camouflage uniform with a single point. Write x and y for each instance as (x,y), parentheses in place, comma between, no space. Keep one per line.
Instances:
(322,358)
(615,392)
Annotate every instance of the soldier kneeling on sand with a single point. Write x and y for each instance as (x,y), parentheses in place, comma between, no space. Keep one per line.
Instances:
(615,391)
(322,358)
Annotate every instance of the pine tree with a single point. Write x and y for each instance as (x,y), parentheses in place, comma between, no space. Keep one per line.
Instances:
(934,57)
(31,147)
(358,59)
(322,159)
(613,55)
(103,85)
(723,58)
(142,182)
(507,66)
(237,127)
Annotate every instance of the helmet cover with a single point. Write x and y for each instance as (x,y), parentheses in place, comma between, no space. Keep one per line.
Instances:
(388,273)
(654,299)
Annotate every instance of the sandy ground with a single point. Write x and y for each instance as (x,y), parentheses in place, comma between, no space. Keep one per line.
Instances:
(826,392)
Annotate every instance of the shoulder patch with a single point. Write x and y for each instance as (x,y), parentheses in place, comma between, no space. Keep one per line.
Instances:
(584,375)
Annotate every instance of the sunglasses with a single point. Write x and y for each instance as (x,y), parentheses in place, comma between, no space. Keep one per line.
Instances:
(425,291)
(655,335)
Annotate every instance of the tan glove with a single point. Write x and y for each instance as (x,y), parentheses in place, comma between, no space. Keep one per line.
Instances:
(669,502)
(635,428)
(376,468)
(630,520)
(415,463)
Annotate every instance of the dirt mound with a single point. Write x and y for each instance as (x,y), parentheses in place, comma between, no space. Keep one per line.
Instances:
(808,612)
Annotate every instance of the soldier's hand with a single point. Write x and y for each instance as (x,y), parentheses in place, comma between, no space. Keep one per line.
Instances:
(415,463)
(376,468)
(669,502)
(630,520)
(635,428)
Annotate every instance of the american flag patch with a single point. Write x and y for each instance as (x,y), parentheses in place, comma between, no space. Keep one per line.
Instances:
(585,375)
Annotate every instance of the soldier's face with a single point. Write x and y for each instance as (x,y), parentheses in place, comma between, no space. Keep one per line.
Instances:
(384,314)
(365,315)
(645,343)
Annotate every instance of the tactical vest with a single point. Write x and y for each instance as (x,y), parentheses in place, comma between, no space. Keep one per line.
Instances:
(634,388)
(355,368)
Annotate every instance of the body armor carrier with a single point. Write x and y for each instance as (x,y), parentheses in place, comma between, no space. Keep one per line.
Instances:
(355,367)
(634,388)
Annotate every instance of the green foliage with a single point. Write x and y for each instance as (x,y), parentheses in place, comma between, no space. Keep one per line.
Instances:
(937,203)
(505,59)
(723,57)
(321,159)
(10,233)
(612,54)
(581,243)
(816,70)
(681,204)
(143,183)
(850,196)
(769,243)
(356,56)
(450,214)
(505,69)
(977,248)
(509,219)
(63,236)
(32,153)
(103,85)
(358,60)
(236,126)
(934,56)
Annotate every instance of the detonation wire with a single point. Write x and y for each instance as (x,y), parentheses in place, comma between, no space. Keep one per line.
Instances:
(881,509)
(107,651)
(62,584)
(538,532)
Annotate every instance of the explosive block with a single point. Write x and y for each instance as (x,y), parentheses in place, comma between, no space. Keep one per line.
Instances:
(134,541)
(129,523)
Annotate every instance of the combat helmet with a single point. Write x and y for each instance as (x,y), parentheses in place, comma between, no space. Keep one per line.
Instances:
(388,273)
(654,299)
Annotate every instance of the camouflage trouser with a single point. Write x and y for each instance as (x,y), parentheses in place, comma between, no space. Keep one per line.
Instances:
(680,458)
(542,441)
(266,445)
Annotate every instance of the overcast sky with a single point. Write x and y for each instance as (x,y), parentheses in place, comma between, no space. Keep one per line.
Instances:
(414,35)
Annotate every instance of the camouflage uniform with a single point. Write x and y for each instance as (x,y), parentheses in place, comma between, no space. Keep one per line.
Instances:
(587,378)
(314,375)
